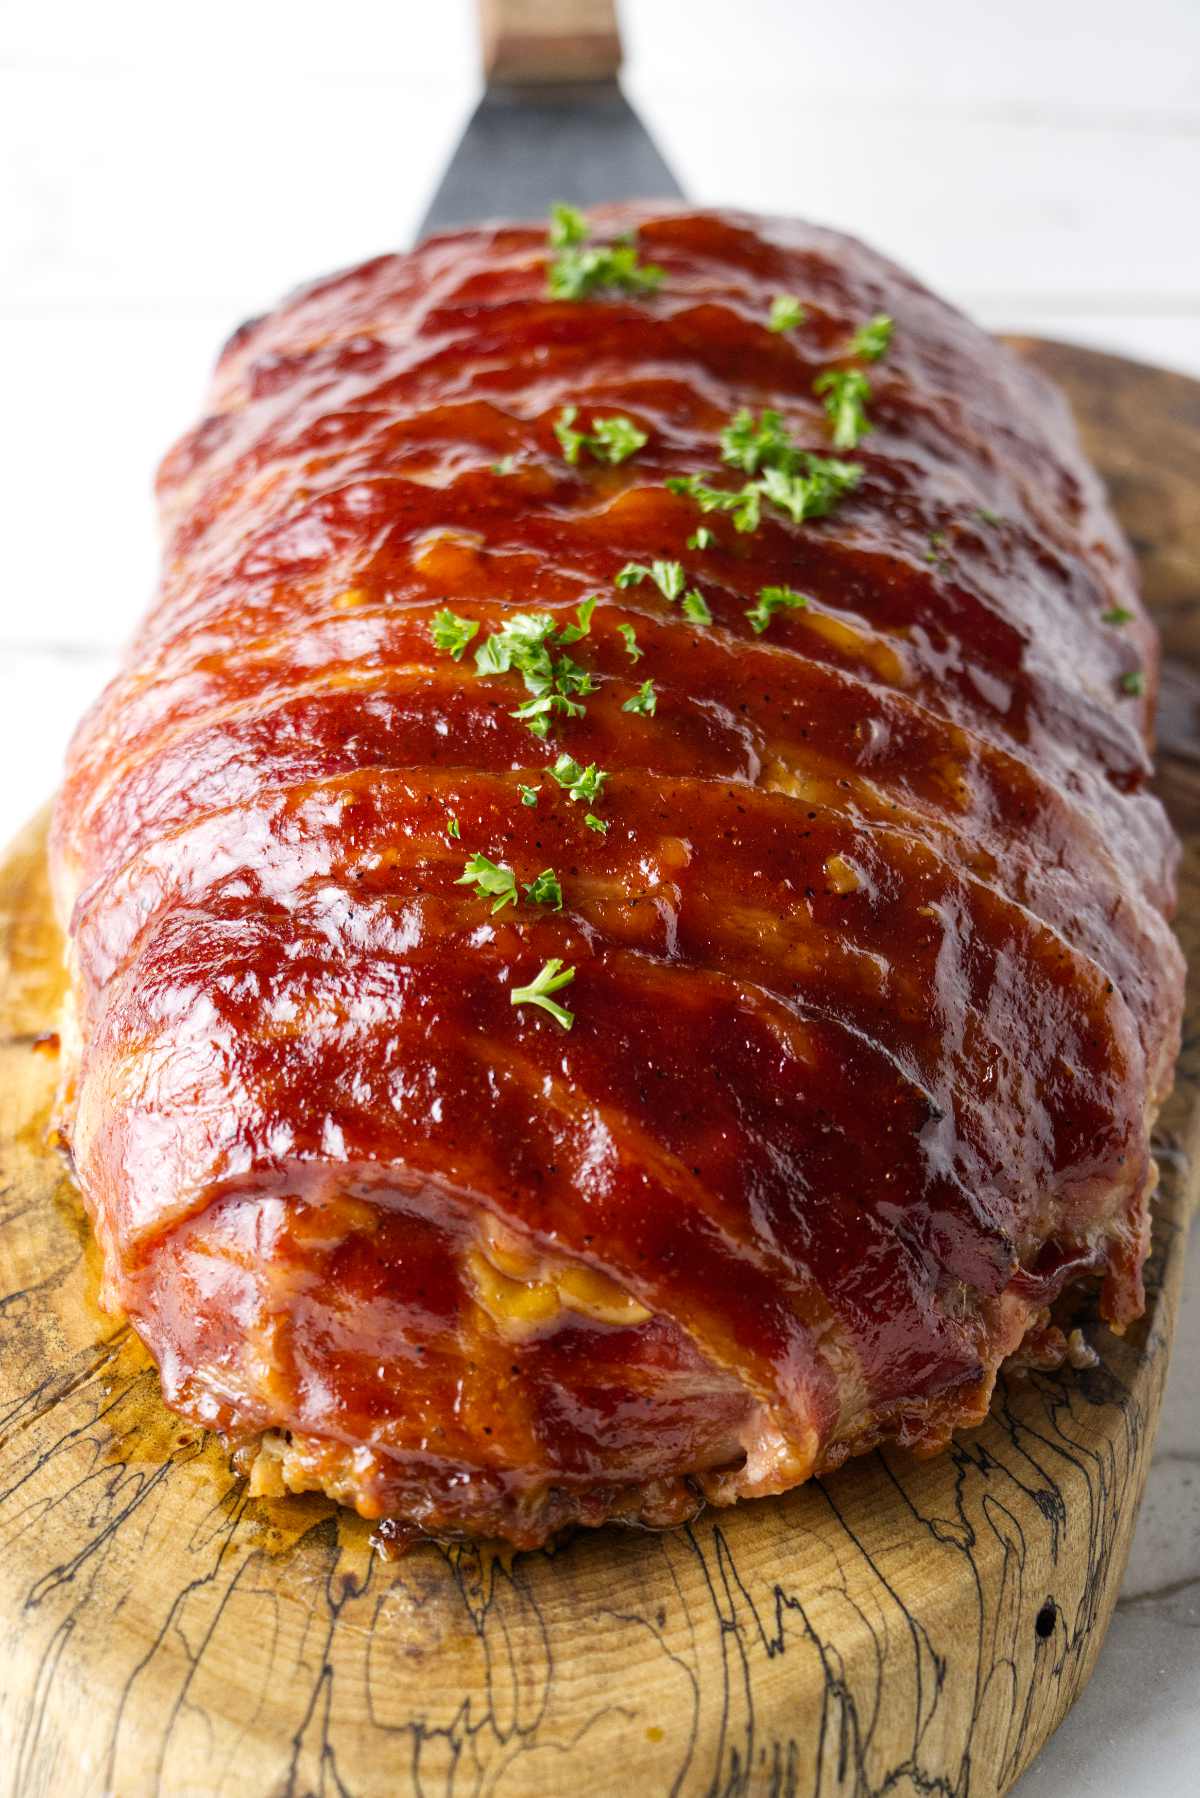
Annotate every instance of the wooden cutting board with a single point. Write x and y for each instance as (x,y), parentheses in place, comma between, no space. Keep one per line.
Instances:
(903,1627)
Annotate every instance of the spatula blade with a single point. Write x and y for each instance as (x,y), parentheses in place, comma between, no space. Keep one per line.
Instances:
(527,147)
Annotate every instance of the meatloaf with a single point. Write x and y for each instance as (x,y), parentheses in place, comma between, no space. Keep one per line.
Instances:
(617,933)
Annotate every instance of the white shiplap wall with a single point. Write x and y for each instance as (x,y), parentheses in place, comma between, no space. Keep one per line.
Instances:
(167,170)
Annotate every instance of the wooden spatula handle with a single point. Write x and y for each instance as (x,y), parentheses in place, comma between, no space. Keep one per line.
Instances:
(549,40)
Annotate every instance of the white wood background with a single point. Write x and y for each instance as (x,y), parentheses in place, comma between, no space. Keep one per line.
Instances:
(166,170)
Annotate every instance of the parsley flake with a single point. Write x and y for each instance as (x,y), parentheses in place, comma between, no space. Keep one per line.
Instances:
(743,503)
(595,823)
(695,607)
(871,340)
(506,465)
(492,881)
(571,633)
(1116,615)
(786,313)
(631,643)
(645,700)
(551,979)
(450,632)
(986,516)
(752,446)
(452,829)
(668,577)
(1134,682)
(522,645)
(528,794)
(846,392)
(702,538)
(771,600)
(580,782)
(578,270)
(545,890)
(611,440)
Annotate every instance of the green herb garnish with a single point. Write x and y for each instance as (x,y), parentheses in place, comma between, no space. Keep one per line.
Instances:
(580,782)
(668,577)
(771,600)
(645,700)
(522,645)
(695,607)
(549,980)
(452,829)
(786,313)
(1116,615)
(752,445)
(611,440)
(571,633)
(1134,682)
(528,794)
(701,538)
(793,479)
(595,823)
(506,465)
(986,516)
(579,270)
(450,632)
(846,392)
(545,890)
(742,503)
(631,643)
(492,881)
(871,340)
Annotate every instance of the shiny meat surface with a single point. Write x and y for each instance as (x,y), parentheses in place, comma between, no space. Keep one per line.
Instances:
(873,994)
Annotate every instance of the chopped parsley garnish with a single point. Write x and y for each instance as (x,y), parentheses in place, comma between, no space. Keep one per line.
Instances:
(1134,682)
(814,493)
(937,541)
(771,600)
(580,782)
(743,503)
(668,577)
(545,890)
(695,607)
(793,479)
(578,270)
(871,340)
(611,440)
(1116,615)
(492,881)
(452,633)
(631,643)
(571,633)
(452,829)
(846,392)
(549,980)
(986,516)
(595,823)
(528,794)
(567,226)
(506,465)
(645,700)
(786,313)
(752,446)
(702,538)
(522,644)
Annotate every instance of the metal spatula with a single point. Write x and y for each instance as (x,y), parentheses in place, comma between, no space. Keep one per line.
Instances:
(553,123)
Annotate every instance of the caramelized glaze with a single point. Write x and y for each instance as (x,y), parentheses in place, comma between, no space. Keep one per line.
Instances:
(874,994)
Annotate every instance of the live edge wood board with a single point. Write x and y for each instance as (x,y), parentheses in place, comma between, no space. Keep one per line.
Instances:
(902,1627)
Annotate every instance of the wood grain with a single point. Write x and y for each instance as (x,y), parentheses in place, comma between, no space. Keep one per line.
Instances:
(549,40)
(900,1627)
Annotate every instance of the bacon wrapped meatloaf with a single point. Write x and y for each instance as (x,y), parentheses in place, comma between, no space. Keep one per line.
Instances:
(618,937)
